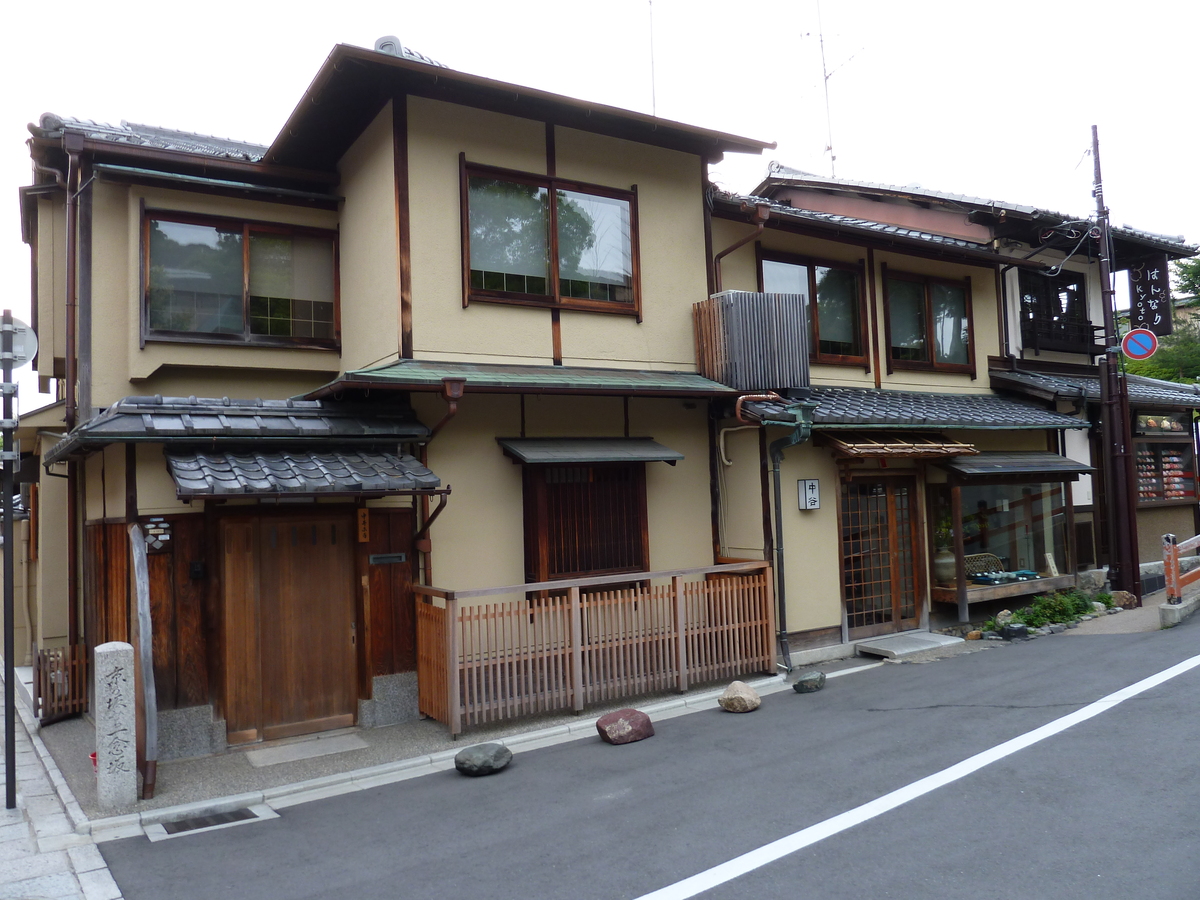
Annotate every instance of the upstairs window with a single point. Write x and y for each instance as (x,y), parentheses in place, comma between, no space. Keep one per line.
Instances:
(222,280)
(837,320)
(537,241)
(928,323)
(1054,313)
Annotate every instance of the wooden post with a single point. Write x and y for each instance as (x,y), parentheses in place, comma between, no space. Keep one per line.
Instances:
(1171,569)
(960,570)
(769,601)
(681,654)
(453,698)
(143,635)
(576,650)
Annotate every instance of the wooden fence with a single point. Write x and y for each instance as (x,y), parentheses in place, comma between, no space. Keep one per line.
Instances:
(570,647)
(60,682)
(1176,580)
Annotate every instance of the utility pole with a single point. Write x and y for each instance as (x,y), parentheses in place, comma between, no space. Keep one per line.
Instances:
(1116,428)
(10,706)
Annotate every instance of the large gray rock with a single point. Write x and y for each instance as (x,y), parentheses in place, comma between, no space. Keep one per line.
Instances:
(1003,617)
(624,726)
(739,697)
(482,759)
(1092,581)
(809,682)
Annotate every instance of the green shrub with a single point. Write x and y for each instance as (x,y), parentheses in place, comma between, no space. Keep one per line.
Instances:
(1106,599)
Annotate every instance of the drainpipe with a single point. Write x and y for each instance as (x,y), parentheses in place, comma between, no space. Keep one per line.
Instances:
(801,432)
(452,391)
(762,212)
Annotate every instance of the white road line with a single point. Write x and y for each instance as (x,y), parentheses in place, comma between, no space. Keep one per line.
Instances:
(768,853)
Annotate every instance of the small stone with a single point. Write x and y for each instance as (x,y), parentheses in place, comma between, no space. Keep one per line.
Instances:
(1003,617)
(1086,618)
(1114,610)
(482,759)
(992,636)
(1124,600)
(1014,630)
(624,726)
(1099,608)
(809,682)
(739,697)
(1057,629)
(1074,624)
(974,635)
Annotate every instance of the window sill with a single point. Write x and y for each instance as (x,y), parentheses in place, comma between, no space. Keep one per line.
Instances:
(944,368)
(859,362)
(533,301)
(237,341)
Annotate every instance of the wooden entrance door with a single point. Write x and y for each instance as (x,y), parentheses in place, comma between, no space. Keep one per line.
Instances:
(879,572)
(289,625)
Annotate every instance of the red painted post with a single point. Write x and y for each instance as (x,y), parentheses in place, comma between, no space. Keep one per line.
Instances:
(1171,569)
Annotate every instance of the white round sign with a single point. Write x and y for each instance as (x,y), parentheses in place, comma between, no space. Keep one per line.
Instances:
(25,343)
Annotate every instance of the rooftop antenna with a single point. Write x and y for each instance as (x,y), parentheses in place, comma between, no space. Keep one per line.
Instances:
(825,79)
(653,92)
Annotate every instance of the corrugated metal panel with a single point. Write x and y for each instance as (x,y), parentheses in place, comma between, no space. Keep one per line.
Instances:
(754,341)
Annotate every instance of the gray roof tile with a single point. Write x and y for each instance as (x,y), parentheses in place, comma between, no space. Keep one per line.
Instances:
(223,421)
(1144,392)
(842,407)
(51,125)
(296,472)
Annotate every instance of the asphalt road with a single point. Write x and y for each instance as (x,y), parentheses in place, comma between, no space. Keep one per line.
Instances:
(1105,809)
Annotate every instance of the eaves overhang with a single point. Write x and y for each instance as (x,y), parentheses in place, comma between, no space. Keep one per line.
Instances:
(354,83)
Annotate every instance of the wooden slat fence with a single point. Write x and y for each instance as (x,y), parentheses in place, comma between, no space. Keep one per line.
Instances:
(509,658)
(60,682)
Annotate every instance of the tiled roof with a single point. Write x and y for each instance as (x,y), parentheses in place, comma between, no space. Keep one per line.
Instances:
(211,421)
(297,472)
(842,407)
(791,212)
(1143,391)
(777,170)
(51,125)
(426,375)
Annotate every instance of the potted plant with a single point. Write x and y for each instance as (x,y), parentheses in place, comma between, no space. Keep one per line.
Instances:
(945,566)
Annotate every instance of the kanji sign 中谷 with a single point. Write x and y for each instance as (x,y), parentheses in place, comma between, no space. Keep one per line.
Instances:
(1150,296)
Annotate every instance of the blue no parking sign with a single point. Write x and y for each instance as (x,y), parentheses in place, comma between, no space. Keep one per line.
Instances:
(1140,343)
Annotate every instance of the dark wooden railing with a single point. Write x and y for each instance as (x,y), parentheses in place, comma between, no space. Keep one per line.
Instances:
(60,682)
(1061,334)
(486,661)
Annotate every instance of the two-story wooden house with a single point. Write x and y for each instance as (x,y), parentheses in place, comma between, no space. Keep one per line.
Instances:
(430,282)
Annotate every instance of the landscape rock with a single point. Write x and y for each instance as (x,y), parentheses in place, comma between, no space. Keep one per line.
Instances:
(624,726)
(992,636)
(1124,600)
(1092,581)
(739,697)
(1057,629)
(1014,630)
(974,635)
(1115,610)
(809,682)
(1086,618)
(1099,607)
(1003,617)
(482,759)
(1075,624)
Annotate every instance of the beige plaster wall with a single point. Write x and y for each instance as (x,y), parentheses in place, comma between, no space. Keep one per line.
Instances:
(478,540)
(442,329)
(52,283)
(155,487)
(369,263)
(671,236)
(740,272)
(741,496)
(811,540)
(104,483)
(120,365)
(52,604)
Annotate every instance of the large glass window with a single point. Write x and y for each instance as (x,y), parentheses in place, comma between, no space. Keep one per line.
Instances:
(835,332)
(929,323)
(239,281)
(547,242)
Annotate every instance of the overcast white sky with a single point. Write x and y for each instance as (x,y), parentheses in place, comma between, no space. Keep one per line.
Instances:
(989,99)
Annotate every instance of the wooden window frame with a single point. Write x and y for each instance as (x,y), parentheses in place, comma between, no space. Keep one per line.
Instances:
(246,226)
(536,522)
(812,263)
(554,299)
(927,282)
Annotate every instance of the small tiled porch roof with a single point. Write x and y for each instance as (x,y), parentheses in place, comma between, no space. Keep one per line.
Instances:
(295,473)
(167,420)
(858,408)
(1143,392)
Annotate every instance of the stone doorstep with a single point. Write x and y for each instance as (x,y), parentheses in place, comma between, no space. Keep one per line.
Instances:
(901,645)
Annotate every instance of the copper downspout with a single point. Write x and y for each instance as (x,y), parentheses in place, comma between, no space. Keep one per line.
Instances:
(452,391)
(762,212)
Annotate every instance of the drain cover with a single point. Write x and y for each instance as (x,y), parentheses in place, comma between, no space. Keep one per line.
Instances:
(225,818)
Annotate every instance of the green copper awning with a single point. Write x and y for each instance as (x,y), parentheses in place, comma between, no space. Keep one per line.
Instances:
(428,375)
(570,451)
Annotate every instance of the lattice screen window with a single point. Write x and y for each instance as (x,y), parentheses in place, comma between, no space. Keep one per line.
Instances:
(585,520)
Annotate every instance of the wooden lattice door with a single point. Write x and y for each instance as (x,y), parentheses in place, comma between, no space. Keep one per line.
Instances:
(879,572)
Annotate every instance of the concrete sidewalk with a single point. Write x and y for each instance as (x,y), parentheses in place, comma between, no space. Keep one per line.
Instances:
(41,852)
